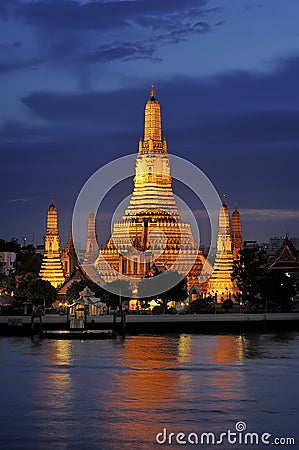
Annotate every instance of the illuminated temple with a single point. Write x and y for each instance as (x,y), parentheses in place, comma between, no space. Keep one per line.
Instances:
(51,269)
(151,231)
(229,243)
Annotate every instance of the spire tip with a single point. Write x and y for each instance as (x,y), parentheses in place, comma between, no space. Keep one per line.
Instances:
(153,92)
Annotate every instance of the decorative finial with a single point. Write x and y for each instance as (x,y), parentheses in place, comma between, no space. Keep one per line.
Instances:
(52,201)
(223,199)
(153,92)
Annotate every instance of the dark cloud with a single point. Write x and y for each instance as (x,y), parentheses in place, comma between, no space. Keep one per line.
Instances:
(234,108)
(11,66)
(83,108)
(182,31)
(247,128)
(120,51)
(99,14)
(151,24)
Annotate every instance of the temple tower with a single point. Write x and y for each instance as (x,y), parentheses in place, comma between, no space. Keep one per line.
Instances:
(69,257)
(51,268)
(92,246)
(220,284)
(152,222)
(237,240)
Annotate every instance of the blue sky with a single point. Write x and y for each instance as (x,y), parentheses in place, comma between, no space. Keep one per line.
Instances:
(74,78)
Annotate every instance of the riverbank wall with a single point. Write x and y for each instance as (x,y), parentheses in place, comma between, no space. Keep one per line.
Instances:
(157,324)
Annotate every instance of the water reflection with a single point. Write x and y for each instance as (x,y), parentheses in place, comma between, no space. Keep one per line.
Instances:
(227,382)
(111,394)
(161,375)
(54,391)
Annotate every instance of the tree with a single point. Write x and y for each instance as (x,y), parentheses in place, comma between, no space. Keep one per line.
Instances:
(259,286)
(277,290)
(9,246)
(28,260)
(248,271)
(7,283)
(201,306)
(121,292)
(227,304)
(178,291)
(31,287)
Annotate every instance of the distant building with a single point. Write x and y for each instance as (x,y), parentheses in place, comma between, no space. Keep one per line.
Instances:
(7,262)
(277,241)
(286,260)
(251,244)
(40,249)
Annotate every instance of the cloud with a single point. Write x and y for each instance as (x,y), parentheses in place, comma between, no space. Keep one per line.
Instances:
(102,15)
(118,50)
(76,27)
(236,109)
(264,215)
(21,200)
(11,66)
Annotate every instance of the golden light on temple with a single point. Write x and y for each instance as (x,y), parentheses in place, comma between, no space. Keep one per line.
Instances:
(152,223)
(237,240)
(220,283)
(51,268)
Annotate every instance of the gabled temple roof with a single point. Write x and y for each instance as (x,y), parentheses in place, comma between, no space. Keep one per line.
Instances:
(286,258)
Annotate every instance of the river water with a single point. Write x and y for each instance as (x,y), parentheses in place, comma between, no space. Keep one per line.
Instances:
(119,394)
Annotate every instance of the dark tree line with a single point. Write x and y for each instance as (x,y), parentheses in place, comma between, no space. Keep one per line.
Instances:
(260,287)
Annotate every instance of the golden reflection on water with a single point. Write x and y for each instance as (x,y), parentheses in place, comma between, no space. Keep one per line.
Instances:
(161,375)
(184,348)
(150,378)
(164,374)
(228,350)
(144,389)
(57,377)
(54,388)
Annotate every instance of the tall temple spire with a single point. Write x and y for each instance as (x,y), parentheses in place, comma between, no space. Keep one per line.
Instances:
(152,183)
(153,92)
(92,246)
(237,240)
(220,284)
(224,223)
(51,268)
(152,126)
(152,222)
(69,257)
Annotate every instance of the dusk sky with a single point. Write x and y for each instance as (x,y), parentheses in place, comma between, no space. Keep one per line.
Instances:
(75,76)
